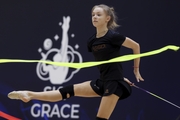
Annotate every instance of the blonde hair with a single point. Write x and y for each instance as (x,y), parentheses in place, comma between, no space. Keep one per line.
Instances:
(112,24)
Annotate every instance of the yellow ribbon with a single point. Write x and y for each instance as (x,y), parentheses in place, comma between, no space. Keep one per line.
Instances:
(90,64)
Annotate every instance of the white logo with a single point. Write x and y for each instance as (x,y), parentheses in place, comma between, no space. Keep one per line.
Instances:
(66,53)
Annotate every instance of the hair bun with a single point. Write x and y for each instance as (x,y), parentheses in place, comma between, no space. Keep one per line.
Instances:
(111,8)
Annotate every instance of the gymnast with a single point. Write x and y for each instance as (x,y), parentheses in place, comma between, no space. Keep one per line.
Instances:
(112,86)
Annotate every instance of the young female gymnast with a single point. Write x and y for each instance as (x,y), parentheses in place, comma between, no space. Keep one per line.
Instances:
(111,85)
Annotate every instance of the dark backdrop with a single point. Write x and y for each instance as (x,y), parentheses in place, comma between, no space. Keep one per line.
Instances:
(24,26)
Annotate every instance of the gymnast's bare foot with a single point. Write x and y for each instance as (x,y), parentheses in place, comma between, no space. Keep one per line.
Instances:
(20,95)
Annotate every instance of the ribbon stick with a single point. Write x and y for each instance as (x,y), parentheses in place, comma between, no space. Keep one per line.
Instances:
(90,64)
(157,96)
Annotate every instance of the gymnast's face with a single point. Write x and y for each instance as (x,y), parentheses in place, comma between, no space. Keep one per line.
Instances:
(99,17)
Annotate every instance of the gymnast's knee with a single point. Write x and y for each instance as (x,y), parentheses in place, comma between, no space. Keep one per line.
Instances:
(98,118)
(67,91)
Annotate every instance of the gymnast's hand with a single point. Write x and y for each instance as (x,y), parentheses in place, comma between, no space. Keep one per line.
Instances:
(128,81)
(138,75)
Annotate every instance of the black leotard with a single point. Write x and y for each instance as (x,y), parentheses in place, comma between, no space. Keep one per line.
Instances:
(105,48)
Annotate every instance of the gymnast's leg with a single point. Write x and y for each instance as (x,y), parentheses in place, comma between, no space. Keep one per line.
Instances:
(82,90)
(107,106)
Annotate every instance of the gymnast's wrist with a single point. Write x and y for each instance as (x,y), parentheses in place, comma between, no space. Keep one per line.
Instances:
(136,67)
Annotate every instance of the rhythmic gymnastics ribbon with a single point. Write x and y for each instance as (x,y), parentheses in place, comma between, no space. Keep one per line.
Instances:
(156,96)
(90,64)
